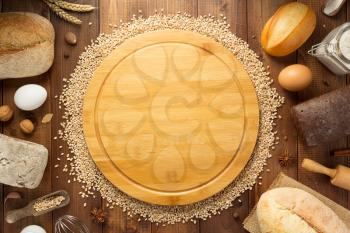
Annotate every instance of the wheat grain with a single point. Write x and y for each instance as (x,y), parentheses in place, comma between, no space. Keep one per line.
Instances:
(62,14)
(72,6)
(83,168)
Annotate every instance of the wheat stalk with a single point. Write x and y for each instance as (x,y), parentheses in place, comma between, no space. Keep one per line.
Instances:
(72,6)
(61,13)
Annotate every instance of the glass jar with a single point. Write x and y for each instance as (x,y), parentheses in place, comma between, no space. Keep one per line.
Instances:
(334,50)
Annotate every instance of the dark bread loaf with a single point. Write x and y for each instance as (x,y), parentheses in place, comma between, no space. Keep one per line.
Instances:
(325,118)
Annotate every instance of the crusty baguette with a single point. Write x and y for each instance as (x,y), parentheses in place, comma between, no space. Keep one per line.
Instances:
(292,210)
(26,45)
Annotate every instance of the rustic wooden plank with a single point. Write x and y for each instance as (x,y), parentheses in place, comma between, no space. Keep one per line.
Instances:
(112,14)
(172,7)
(321,74)
(259,13)
(62,68)
(236,14)
(1,185)
(42,132)
(348,82)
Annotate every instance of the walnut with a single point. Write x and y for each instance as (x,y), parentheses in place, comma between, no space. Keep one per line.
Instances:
(26,126)
(6,113)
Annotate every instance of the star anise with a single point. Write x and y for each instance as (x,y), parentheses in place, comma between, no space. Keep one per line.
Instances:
(98,215)
(285,159)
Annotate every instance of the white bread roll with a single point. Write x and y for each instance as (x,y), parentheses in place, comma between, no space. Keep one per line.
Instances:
(292,210)
(26,45)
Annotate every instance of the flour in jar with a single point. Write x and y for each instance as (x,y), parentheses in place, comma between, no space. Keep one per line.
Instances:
(334,50)
(344,44)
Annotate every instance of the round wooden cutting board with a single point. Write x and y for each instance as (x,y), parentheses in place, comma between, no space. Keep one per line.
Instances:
(171,117)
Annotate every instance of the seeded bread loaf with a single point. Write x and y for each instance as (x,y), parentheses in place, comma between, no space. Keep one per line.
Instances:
(325,118)
(292,210)
(26,45)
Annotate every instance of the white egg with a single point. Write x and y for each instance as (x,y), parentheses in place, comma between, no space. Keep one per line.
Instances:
(30,97)
(33,229)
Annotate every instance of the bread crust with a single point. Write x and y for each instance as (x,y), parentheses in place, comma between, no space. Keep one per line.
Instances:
(26,44)
(292,210)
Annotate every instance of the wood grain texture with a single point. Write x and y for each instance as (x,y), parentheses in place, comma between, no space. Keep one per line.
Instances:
(1,185)
(261,11)
(62,68)
(41,134)
(182,123)
(236,13)
(114,12)
(324,81)
(348,82)
(246,19)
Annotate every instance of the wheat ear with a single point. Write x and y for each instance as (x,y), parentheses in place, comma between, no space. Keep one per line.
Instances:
(73,6)
(62,14)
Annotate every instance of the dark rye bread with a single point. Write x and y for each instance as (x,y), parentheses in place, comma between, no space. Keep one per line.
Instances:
(325,118)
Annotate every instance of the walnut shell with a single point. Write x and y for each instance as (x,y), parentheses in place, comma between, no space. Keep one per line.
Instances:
(6,113)
(26,126)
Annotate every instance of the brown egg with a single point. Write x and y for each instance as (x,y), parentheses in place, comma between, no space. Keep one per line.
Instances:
(295,77)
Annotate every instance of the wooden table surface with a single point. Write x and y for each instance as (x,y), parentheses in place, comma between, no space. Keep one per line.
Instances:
(246,18)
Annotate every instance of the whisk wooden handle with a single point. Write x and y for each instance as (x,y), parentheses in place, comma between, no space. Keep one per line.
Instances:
(15,215)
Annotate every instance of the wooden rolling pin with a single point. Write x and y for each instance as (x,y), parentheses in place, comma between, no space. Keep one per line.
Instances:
(340,176)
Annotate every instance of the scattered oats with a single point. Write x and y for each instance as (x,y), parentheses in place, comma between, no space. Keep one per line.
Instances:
(235,215)
(253,36)
(60,147)
(84,169)
(279,117)
(58,158)
(56,96)
(57,177)
(84,204)
(260,177)
(260,183)
(90,23)
(268,170)
(56,165)
(68,181)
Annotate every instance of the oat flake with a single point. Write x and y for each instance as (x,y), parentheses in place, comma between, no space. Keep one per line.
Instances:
(81,164)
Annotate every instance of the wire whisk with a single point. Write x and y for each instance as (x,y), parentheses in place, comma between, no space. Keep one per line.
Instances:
(70,224)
